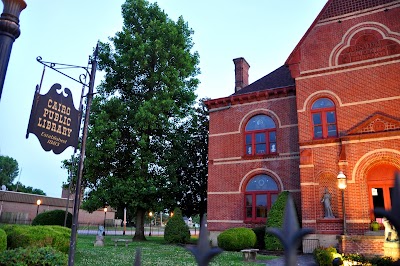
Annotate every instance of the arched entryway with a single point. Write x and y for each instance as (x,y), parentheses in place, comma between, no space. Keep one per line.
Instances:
(380,181)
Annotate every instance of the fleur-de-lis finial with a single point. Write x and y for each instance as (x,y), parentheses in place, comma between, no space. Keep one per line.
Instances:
(291,234)
(203,253)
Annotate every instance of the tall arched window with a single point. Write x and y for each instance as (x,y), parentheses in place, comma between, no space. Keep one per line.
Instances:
(260,135)
(323,112)
(261,192)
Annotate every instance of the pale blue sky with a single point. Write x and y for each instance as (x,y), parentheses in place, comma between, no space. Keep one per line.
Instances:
(264,32)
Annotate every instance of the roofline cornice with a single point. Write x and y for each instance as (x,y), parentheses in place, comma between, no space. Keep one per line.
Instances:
(251,97)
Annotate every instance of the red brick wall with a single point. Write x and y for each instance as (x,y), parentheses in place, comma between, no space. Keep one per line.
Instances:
(229,169)
(359,90)
(366,245)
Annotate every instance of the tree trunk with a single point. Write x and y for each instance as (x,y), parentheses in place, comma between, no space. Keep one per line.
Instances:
(139,232)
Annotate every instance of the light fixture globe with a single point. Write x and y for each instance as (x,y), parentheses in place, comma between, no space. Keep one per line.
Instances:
(342,180)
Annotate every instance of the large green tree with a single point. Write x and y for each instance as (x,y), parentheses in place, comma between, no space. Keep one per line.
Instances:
(148,90)
(8,170)
(192,171)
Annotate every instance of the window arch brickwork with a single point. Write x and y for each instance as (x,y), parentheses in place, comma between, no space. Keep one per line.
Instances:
(260,136)
(323,116)
(261,192)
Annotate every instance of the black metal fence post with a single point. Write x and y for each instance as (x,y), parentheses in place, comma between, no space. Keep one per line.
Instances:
(9,31)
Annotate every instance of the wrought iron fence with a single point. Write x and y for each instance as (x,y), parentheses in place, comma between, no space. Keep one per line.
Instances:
(154,230)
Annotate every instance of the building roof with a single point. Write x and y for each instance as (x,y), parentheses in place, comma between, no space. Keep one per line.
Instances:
(20,197)
(341,7)
(279,78)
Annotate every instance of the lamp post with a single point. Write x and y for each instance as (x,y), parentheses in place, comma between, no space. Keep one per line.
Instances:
(38,202)
(150,215)
(9,31)
(342,184)
(124,221)
(105,215)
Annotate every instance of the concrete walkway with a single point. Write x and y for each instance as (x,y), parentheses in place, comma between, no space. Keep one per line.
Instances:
(304,260)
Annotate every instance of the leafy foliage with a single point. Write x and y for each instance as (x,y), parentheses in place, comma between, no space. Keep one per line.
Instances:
(19,187)
(8,170)
(3,240)
(38,236)
(275,219)
(235,239)
(260,234)
(44,256)
(138,112)
(55,217)
(191,168)
(325,256)
(176,230)
(375,260)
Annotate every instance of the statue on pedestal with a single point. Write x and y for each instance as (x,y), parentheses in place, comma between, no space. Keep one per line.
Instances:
(326,200)
(99,237)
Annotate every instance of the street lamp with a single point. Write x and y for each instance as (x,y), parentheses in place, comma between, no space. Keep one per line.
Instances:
(9,31)
(38,202)
(342,184)
(124,220)
(150,215)
(105,215)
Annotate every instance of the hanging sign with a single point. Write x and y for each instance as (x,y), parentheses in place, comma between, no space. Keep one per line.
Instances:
(54,119)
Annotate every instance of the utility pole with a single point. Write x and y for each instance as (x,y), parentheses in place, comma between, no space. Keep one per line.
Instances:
(9,32)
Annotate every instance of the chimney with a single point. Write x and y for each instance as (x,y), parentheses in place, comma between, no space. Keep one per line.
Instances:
(241,73)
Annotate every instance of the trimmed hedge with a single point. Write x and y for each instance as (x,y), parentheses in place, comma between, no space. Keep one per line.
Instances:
(275,219)
(45,256)
(3,240)
(177,231)
(235,239)
(55,217)
(24,236)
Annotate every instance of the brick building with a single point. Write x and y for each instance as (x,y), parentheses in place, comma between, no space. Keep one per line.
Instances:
(332,107)
(19,207)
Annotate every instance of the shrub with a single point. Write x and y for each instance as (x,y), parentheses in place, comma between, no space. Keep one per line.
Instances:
(3,240)
(33,257)
(325,256)
(376,260)
(275,219)
(38,236)
(176,230)
(235,239)
(260,234)
(55,217)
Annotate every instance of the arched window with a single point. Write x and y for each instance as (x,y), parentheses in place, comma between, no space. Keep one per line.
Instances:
(323,112)
(261,192)
(260,135)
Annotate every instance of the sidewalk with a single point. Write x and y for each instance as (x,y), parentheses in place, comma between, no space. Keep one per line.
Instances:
(304,260)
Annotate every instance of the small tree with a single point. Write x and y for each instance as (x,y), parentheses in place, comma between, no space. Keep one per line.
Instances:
(275,219)
(176,230)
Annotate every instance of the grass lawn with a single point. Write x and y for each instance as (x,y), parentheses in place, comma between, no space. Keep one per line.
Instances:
(154,252)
